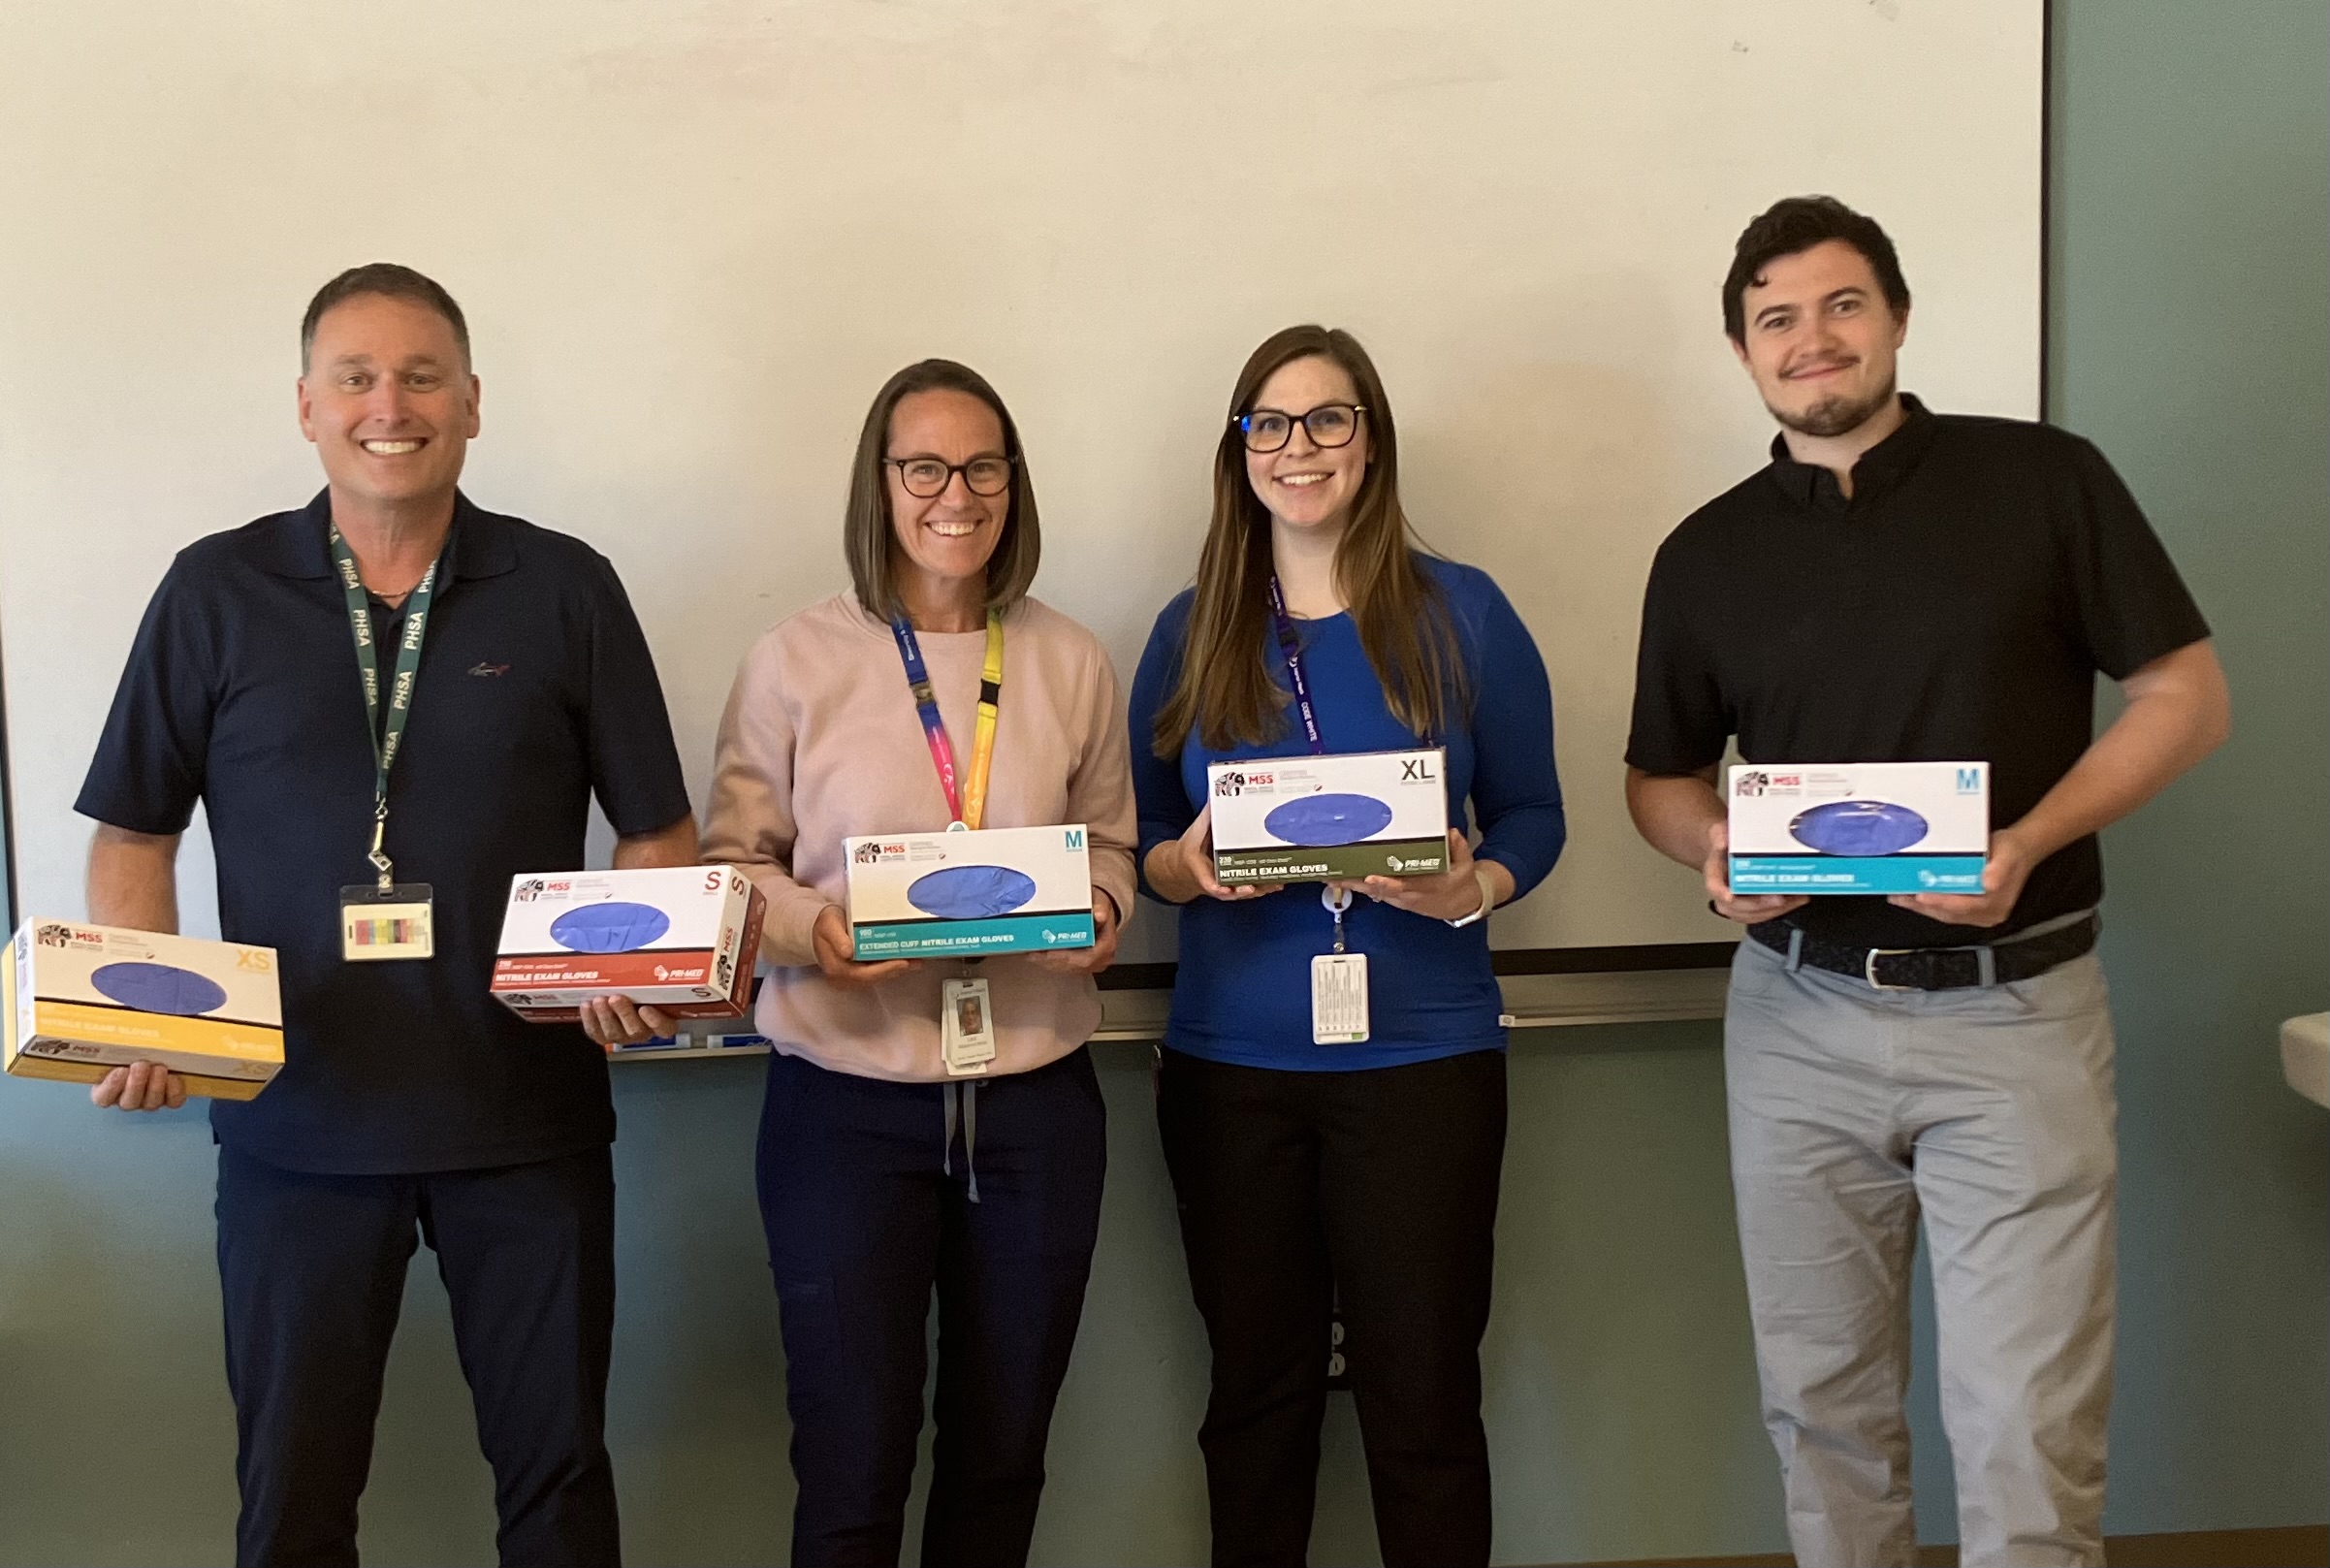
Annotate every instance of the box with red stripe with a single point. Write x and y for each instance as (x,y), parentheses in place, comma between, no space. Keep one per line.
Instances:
(682,939)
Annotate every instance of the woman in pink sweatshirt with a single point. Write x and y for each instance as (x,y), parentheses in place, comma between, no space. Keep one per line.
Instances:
(889,1164)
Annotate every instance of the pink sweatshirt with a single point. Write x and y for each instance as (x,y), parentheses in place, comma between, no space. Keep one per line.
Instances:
(821,741)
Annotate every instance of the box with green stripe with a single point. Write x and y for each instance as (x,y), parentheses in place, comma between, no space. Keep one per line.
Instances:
(1329,817)
(964,893)
(1396,857)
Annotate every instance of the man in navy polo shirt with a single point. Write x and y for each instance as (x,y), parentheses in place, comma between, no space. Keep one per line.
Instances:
(1904,586)
(372,792)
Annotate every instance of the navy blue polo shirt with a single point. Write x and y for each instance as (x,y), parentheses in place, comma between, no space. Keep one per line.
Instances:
(535,691)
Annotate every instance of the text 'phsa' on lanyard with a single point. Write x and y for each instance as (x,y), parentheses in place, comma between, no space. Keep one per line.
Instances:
(386,920)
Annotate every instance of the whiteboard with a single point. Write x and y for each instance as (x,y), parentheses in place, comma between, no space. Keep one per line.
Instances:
(693,238)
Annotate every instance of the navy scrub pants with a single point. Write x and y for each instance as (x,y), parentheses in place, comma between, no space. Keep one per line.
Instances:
(312,1272)
(875,1192)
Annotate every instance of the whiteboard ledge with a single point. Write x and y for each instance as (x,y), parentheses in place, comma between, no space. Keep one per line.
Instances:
(1541,991)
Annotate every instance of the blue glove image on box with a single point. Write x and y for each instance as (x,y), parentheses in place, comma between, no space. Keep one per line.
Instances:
(1326,822)
(972,892)
(612,927)
(1858,827)
(160,988)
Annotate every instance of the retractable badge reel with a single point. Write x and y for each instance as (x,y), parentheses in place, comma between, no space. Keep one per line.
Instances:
(1338,983)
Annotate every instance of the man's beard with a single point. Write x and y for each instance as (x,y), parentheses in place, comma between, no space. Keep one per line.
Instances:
(1836,416)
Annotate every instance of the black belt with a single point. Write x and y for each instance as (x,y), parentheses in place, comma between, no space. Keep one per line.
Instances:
(1934,969)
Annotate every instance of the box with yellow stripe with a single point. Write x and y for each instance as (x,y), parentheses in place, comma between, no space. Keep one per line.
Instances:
(82,1000)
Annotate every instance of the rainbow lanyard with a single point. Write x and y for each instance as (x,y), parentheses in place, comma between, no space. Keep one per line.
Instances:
(967,806)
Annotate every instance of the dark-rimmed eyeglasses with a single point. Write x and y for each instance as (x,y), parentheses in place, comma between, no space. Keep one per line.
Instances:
(1330,424)
(927,478)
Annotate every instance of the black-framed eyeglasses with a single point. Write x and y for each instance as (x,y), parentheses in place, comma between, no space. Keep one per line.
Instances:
(927,478)
(1330,424)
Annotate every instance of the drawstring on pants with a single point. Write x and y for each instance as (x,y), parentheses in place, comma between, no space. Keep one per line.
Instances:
(962,1103)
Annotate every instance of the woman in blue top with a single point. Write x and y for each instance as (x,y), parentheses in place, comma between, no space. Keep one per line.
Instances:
(1365,1172)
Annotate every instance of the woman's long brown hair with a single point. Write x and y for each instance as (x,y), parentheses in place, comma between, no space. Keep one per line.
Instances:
(1228,691)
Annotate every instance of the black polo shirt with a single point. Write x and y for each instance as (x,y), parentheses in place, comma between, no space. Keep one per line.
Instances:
(535,689)
(1957,607)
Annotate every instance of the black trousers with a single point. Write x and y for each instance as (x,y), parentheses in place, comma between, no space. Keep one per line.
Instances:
(312,1272)
(1376,1187)
(866,1189)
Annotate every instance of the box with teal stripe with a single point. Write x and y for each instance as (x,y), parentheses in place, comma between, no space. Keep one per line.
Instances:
(1858,827)
(966,893)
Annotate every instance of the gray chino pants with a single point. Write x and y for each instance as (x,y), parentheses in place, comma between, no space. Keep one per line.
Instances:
(1988,1111)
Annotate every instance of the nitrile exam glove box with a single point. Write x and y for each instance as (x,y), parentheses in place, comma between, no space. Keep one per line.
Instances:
(964,893)
(679,938)
(82,999)
(1328,818)
(1860,827)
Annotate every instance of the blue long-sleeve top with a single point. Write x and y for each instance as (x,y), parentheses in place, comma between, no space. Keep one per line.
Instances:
(1242,992)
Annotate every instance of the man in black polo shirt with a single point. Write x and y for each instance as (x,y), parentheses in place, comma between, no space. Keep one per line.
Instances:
(409,1103)
(1902,586)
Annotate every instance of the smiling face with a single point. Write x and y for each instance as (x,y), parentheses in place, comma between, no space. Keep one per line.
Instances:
(1821,340)
(1302,484)
(944,539)
(389,401)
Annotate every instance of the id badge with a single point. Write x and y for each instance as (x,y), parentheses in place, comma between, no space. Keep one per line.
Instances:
(1338,999)
(966,1026)
(377,923)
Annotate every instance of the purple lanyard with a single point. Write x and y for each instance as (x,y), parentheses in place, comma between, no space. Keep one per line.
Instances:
(1291,645)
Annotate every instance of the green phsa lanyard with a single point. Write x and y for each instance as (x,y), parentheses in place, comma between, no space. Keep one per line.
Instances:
(385,737)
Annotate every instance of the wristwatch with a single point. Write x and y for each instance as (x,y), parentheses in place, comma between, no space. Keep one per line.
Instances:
(1488,896)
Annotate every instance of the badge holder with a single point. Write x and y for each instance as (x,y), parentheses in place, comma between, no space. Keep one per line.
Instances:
(385,918)
(966,1026)
(1338,983)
